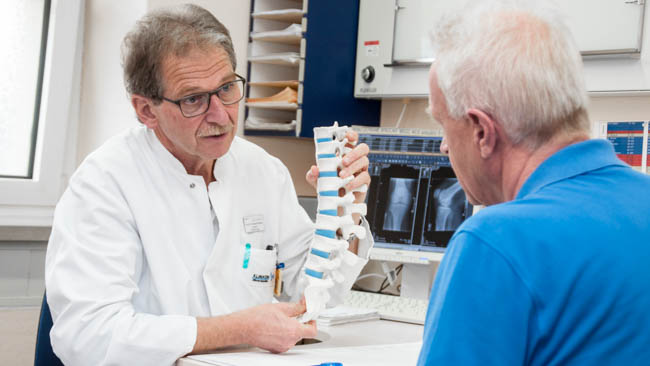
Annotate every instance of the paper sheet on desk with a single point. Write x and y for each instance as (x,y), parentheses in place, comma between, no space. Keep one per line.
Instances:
(376,355)
(345,314)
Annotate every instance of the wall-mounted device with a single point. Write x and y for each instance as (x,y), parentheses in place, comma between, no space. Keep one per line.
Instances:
(394,53)
(386,68)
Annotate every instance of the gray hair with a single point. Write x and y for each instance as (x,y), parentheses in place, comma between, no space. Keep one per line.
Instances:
(167,32)
(518,62)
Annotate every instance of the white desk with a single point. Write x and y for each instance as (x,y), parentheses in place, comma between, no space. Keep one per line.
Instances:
(367,333)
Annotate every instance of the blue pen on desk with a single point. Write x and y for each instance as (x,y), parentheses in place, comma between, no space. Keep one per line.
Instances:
(247,255)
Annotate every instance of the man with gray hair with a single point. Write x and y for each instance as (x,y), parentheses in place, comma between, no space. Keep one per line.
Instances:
(175,236)
(556,269)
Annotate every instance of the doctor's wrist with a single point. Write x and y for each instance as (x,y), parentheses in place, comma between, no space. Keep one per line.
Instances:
(218,332)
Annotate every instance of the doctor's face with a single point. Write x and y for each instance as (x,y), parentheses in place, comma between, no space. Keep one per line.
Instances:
(201,139)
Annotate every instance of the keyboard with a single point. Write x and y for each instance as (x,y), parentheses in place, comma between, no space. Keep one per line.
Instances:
(390,307)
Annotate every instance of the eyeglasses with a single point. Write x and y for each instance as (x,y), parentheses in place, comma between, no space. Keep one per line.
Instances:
(197,104)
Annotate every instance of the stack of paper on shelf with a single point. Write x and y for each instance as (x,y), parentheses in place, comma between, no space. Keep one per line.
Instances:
(287,95)
(260,123)
(277,84)
(281,58)
(292,32)
(345,314)
(283,15)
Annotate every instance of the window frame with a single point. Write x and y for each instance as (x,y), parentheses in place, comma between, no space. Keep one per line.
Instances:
(31,201)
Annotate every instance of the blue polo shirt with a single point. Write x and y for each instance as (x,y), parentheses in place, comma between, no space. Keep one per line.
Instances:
(558,276)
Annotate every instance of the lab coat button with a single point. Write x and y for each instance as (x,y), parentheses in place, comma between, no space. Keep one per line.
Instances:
(192,185)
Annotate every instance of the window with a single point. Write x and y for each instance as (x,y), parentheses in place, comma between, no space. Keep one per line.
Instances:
(24,28)
(41,43)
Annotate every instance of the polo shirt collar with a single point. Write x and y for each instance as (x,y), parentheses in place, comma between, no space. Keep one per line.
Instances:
(570,161)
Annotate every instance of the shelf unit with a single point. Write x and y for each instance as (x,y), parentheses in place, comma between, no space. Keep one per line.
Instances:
(309,46)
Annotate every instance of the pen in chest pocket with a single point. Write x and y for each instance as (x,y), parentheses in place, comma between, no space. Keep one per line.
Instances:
(247,255)
(277,288)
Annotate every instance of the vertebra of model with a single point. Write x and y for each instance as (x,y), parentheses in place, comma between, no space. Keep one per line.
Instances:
(334,223)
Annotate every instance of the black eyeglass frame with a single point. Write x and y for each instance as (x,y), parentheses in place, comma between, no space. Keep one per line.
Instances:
(210,94)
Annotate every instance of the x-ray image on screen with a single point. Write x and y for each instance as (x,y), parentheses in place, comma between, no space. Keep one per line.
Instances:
(415,202)
(399,208)
(448,205)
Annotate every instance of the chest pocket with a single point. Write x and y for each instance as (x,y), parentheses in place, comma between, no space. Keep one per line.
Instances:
(259,275)
(258,269)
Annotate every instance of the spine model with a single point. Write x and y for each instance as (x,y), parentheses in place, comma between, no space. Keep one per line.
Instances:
(334,223)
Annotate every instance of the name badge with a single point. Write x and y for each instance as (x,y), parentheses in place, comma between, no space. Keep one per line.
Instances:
(254,224)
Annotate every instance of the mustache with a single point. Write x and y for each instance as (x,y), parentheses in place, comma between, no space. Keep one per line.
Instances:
(215,130)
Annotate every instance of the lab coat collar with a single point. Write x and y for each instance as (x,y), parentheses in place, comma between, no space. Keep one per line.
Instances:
(171,163)
(571,161)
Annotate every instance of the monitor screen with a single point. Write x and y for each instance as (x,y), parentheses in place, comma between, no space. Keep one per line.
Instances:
(415,201)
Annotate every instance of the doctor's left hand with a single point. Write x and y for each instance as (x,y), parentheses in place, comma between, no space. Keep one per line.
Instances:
(355,163)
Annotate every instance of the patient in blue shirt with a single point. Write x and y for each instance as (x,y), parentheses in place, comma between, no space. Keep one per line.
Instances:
(556,269)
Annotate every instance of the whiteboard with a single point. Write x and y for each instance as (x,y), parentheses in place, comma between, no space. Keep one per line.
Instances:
(600,27)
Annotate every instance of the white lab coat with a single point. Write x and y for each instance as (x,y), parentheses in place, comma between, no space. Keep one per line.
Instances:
(125,276)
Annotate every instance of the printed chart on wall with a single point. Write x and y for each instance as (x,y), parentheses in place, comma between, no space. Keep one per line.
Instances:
(630,140)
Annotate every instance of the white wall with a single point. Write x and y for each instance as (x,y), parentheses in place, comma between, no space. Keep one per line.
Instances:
(105,108)
(620,108)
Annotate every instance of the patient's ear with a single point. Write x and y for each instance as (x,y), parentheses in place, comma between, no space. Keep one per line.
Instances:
(484,131)
(144,110)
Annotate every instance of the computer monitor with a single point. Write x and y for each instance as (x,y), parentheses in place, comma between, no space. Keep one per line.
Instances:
(415,202)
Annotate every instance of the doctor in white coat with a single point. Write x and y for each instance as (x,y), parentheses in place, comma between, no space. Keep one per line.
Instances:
(167,239)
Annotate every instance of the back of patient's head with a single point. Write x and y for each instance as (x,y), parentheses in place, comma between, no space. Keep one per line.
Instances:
(166,32)
(518,62)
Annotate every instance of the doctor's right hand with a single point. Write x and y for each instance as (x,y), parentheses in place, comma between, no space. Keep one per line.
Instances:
(272,327)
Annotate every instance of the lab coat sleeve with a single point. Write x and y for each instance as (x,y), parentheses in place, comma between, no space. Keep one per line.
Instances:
(93,262)
(296,233)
